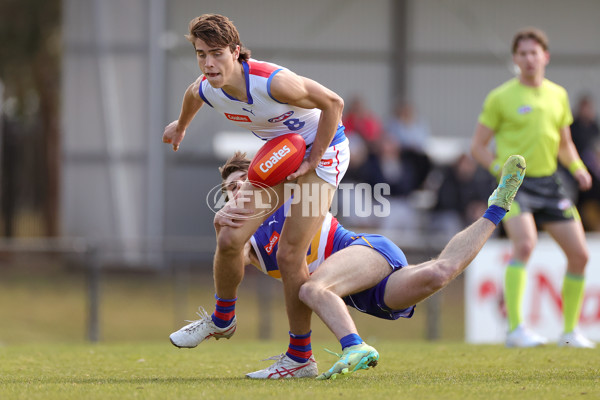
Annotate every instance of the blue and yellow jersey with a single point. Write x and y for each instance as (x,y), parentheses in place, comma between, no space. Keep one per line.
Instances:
(331,237)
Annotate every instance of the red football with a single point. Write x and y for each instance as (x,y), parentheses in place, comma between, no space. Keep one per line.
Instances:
(277,159)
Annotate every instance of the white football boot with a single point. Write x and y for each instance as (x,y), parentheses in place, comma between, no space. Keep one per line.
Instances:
(286,368)
(193,334)
(575,339)
(523,337)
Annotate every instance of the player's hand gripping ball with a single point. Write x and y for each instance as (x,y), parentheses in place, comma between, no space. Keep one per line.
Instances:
(277,159)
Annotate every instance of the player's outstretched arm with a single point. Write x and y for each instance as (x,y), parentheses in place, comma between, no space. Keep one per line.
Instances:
(175,131)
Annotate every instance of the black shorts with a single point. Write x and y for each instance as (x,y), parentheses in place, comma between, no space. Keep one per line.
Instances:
(545,198)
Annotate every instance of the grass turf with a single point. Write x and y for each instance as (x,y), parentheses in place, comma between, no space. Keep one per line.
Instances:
(43,353)
(215,370)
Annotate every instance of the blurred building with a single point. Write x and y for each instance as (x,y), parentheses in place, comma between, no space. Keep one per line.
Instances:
(127,65)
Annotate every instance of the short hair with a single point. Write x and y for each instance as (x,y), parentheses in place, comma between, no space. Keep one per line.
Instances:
(217,31)
(530,33)
(237,162)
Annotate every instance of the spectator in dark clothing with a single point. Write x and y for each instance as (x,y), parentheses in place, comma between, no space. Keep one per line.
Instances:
(404,171)
(586,137)
(463,192)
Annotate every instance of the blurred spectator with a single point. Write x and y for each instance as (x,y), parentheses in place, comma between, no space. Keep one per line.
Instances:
(359,153)
(462,196)
(404,171)
(384,162)
(358,119)
(407,129)
(586,137)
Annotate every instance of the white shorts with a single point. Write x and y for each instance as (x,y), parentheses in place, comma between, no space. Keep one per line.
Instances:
(334,163)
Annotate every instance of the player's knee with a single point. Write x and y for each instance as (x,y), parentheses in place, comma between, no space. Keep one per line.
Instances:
(585,257)
(311,292)
(288,255)
(228,240)
(307,292)
(579,259)
(523,249)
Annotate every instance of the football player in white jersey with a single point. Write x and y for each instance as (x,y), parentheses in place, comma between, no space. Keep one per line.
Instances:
(365,271)
(269,101)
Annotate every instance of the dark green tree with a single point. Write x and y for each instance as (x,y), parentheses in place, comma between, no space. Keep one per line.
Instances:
(30,60)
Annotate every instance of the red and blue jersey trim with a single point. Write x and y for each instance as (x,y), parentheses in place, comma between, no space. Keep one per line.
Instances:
(261,68)
(331,236)
(265,70)
(202,93)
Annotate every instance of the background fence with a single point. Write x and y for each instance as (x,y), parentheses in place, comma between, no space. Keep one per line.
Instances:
(86,87)
(92,279)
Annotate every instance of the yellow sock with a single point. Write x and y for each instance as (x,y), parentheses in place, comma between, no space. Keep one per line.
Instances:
(572,296)
(514,289)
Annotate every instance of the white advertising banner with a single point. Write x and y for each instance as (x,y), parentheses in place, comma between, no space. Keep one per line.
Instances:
(485,314)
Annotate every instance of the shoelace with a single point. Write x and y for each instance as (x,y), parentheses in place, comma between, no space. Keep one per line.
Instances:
(333,352)
(275,358)
(204,317)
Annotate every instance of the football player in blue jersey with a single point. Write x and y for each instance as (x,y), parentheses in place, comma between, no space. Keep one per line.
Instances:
(364,271)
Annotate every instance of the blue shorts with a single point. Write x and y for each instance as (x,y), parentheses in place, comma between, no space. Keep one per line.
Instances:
(370,301)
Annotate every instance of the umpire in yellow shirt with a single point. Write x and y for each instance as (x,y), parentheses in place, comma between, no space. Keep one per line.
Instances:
(530,115)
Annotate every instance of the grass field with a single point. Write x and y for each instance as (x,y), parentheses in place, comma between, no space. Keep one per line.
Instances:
(44,353)
(407,370)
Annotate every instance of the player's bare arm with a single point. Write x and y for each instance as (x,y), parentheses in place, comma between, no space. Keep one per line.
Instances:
(175,131)
(302,92)
(479,145)
(567,154)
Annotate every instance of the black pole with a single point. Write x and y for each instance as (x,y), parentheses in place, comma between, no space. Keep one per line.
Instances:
(93,275)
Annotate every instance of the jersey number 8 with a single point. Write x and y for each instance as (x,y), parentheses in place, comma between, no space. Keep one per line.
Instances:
(294,124)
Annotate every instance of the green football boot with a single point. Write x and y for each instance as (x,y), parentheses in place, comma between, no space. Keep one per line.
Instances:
(353,358)
(513,173)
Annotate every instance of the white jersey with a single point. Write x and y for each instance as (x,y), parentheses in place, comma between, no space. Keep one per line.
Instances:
(264,115)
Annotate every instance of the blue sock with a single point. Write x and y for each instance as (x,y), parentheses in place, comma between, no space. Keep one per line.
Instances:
(494,214)
(350,340)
